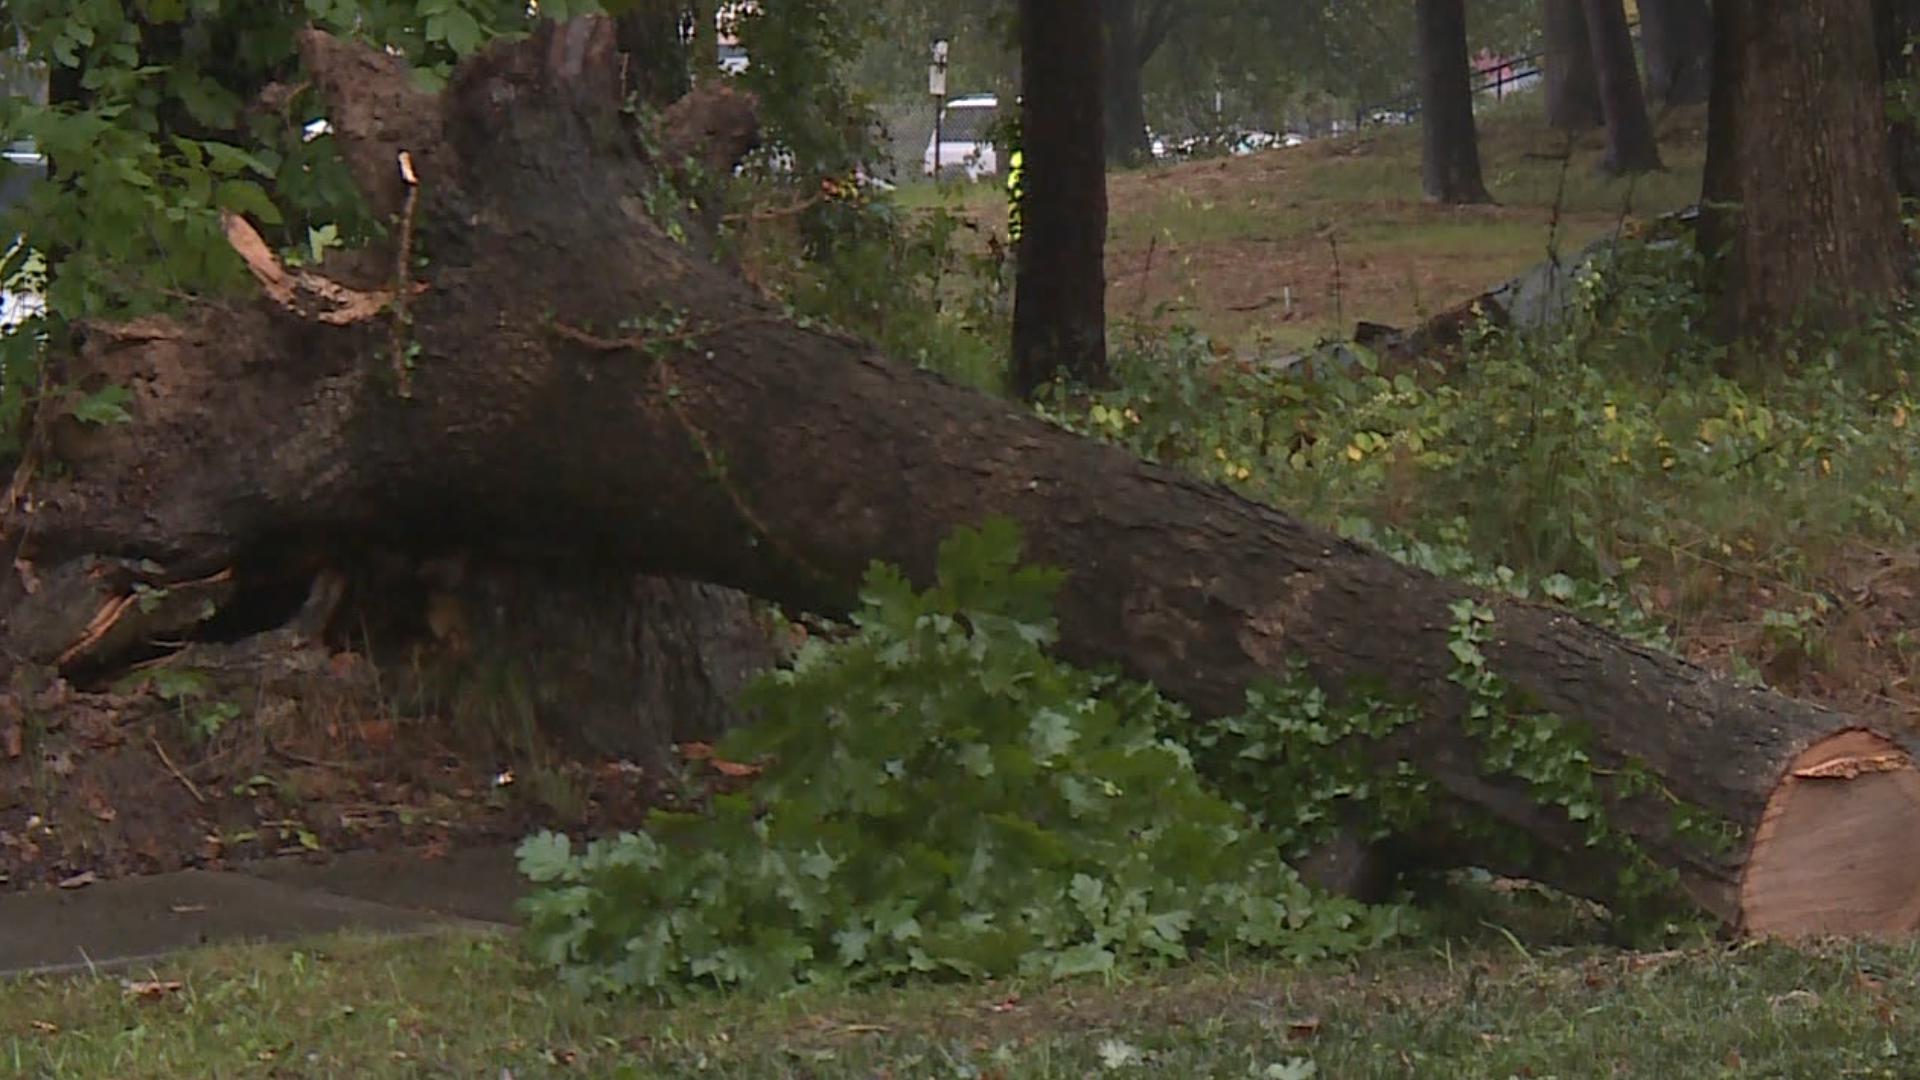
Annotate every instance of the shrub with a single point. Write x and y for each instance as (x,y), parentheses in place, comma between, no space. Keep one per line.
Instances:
(940,796)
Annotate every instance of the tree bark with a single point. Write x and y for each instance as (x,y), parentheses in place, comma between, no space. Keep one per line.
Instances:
(1800,210)
(1572,85)
(1896,28)
(1060,295)
(1126,115)
(1677,38)
(658,67)
(589,394)
(1449,145)
(1631,147)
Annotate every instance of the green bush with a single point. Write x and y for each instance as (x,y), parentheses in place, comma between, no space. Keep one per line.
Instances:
(941,796)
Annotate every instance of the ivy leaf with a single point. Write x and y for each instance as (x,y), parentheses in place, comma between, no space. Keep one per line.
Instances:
(106,405)
(320,239)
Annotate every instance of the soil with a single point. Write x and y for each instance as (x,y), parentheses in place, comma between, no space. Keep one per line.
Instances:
(98,799)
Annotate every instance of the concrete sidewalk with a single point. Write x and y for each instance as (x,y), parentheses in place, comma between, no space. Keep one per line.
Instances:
(116,924)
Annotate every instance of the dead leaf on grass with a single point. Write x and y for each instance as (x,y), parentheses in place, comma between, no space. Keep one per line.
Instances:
(44,1027)
(695,751)
(734,769)
(1304,1028)
(152,989)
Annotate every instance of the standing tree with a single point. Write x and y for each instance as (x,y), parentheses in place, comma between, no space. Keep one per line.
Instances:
(1801,211)
(1631,147)
(658,68)
(1450,145)
(1135,30)
(1897,29)
(1677,38)
(1573,88)
(1060,298)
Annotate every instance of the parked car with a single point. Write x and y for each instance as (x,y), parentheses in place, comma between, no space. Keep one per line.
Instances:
(965,146)
(1254,141)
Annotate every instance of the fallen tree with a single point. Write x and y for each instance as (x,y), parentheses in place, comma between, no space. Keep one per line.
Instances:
(572,387)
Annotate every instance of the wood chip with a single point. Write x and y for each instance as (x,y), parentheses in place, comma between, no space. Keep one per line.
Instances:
(1846,768)
(152,989)
(341,306)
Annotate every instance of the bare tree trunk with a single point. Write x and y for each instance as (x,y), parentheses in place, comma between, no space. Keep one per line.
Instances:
(1897,31)
(1573,87)
(1450,144)
(1677,38)
(1801,210)
(1060,297)
(658,66)
(550,419)
(1631,147)
(1125,105)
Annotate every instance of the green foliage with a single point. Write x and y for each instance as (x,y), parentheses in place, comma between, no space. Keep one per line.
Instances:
(154,124)
(941,796)
(917,283)
(1566,465)
(190,692)
(153,129)
(1301,761)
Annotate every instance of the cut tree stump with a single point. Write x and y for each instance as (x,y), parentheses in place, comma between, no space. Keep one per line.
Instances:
(587,395)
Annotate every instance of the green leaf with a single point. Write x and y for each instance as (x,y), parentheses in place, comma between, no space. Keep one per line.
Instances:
(545,856)
(246,197)
(106,405)
(460,31)
(1083,959)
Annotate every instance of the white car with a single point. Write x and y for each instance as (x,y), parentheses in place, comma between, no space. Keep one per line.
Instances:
(964,146)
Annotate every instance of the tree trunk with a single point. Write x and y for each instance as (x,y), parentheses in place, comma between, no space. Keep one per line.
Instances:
(1677,38)
(1060,296)
(1896,27)
(1573,87)
(657,67)
(1799,202)
(1125,101)
(1631,147)
(1449,145)
(572,388)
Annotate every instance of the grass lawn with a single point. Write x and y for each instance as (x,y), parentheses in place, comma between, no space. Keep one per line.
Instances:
(1287,246)
(464,1005)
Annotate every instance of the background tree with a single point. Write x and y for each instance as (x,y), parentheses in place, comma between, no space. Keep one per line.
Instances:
(1572,84)
(1677,38)
(1801,212)
(1135,30)
(659,67)
(1450,144)
(1060,297)
(1631,147)
(1897,31)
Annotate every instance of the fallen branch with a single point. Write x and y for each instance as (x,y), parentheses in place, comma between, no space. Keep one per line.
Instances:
(192,789)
